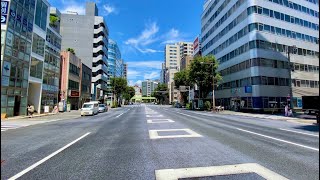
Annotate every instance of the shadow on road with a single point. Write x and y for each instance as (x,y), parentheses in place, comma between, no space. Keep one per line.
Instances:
(313,128)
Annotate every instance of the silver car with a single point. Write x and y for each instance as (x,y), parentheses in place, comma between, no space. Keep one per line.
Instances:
(102,108)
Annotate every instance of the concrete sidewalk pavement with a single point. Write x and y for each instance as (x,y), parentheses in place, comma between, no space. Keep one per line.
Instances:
(297,119)
(23,121)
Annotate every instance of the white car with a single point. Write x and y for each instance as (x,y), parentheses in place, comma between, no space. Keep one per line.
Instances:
(102,108)
(90,108)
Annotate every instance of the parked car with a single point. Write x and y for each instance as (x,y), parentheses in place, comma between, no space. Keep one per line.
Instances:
(90,108)
(102,108)
(178,105)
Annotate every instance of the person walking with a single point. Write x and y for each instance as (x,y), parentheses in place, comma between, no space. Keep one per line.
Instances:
(30,109)
(286,110)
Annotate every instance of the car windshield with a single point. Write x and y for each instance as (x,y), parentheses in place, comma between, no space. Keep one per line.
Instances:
(87,106)
(101,105)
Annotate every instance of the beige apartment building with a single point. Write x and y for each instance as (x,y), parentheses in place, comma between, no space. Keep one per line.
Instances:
(185,62)
(174,53)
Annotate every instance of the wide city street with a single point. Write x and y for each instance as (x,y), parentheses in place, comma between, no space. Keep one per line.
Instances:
(150,142)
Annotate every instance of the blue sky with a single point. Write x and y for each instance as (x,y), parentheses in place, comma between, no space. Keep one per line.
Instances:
(142,28)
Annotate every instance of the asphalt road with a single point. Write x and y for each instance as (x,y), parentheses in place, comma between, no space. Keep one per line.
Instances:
(140,142)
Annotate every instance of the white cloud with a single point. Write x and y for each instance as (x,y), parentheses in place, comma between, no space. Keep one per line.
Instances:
(108,9)
(133,73)
(152,75)
(132,83)
(145,64)
(74,8)
(146,37)
(172,36)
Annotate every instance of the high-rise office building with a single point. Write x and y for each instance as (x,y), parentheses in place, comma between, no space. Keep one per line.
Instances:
(115,65)
(253,42)
(163,73)
(125,71)
(78,31)
(148,87)
(173,55)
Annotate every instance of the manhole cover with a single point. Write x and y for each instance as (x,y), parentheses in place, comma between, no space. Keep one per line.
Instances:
(247,176)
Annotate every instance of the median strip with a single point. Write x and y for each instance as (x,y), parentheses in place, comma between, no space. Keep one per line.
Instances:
(46,158)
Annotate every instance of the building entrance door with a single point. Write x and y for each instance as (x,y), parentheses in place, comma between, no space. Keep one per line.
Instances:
(17,102)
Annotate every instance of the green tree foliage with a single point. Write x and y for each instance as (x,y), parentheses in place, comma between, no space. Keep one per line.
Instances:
(53,20)
(71,50)
(182,78)
(202,70)
(161,93)
(129,93)
(118,86)
(207,105)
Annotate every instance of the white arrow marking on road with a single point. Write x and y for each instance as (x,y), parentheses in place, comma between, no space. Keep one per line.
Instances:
(46,158)
(281,140)
(299,132)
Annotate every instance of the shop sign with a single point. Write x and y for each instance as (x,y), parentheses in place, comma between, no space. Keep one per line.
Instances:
(74,93)
(4,11)
(6,68)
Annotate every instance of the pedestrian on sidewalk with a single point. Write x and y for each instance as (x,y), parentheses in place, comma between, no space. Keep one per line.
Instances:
(290,113)
(30,109)
(286,109)
(55,109)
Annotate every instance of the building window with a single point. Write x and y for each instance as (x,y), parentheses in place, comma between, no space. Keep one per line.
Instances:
(38,45)
(41,15)
(36,68)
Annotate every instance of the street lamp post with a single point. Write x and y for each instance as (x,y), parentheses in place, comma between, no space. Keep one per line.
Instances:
(290,50)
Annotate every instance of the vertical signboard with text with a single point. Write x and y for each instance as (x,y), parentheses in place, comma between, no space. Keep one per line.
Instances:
(4,11)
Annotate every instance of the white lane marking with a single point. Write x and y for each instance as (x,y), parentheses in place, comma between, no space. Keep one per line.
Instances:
(185,114)
(159,121)
(156,115)
(46,158)
(153,134)
(122,113)
(175,174)
(281,140)
(315,135)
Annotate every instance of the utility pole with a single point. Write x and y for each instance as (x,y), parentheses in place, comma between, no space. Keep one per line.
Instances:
(291,49)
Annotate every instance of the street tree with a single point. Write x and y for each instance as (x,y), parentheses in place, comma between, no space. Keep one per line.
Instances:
(202,71)
(129,93)
(182,79)
(161,93)
(118,86)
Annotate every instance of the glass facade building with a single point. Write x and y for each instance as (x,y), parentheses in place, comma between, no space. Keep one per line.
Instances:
(30,58)
(115,64)
(252,41)
(16,45)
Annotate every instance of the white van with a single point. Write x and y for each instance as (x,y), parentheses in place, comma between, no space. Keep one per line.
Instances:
(90,108)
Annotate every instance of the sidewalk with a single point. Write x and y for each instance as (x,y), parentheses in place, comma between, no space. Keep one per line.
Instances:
(300,118)
(23,121)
